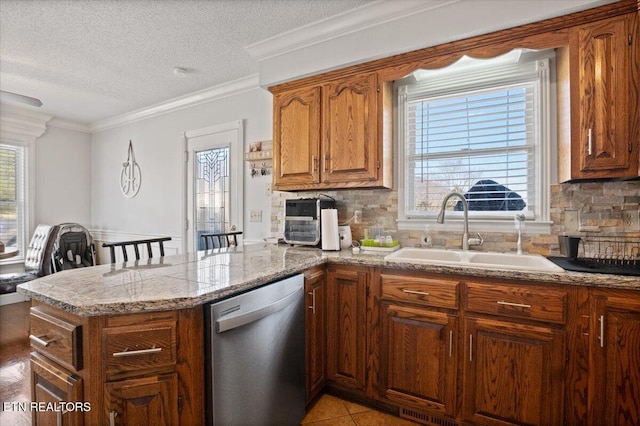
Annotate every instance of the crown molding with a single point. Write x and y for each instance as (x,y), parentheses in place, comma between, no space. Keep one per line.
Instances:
(231,88)
(20,124)
(69,125)
(358,19)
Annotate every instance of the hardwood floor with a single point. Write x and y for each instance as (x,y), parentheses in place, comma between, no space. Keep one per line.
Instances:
(15,382)
(15,373)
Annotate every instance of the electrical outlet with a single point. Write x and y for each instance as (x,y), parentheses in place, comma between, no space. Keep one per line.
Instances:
(571,221)
(357,216)
(255,216)
(630,220)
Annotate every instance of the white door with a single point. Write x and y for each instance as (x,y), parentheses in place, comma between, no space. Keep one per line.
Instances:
(214,182)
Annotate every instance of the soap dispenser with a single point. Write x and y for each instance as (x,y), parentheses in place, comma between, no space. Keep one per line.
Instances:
(425,238)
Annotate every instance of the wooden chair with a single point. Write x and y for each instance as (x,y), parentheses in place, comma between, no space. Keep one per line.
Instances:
(221,238)
(135,243)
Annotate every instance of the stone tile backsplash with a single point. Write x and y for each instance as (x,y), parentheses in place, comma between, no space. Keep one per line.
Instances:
(587,208)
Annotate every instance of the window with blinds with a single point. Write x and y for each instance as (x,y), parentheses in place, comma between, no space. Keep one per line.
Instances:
(476,129)
(12,195)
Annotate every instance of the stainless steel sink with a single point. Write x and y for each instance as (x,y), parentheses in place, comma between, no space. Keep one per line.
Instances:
(487,260)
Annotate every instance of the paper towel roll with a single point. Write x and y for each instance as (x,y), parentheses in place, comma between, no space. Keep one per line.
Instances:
(329,228)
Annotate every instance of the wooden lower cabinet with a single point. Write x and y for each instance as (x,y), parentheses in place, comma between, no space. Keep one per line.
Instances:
(512,373)
(53,387)
(418,359)
(142,401)
(614,362)
(316,330)
(346,327)
(131,369)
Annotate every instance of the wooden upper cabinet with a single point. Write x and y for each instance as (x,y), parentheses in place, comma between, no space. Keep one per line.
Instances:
(331,135)
(604,99)
(349,118)
(296,123)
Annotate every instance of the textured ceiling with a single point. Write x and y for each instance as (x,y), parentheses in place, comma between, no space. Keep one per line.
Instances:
(91,60)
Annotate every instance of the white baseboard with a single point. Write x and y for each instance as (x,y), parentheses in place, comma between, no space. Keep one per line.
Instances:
(10,298)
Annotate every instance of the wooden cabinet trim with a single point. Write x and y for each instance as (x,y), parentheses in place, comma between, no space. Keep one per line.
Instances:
(528,35)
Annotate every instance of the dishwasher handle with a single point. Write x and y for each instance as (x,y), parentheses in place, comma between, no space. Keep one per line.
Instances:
(234,321)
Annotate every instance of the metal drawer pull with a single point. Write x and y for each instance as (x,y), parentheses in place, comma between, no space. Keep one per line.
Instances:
(421,293)
(139,352)
(471,347)
(450,342)
(589,143)
(112,418)
(40,341)
(313,300)
(601,337)
(519,305)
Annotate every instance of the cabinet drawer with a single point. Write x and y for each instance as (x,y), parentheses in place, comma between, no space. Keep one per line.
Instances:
(56,338)
(531,302)
(426,291)
(139,347)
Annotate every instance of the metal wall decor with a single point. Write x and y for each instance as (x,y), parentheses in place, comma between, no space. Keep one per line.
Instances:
(131,176)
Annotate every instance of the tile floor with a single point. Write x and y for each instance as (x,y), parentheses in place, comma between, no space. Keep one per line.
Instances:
(332,411)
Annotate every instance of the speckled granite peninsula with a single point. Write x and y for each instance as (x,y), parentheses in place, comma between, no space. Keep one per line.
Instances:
(188,280)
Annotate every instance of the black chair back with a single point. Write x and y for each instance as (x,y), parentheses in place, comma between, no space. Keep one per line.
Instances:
(221,239)
(135,243)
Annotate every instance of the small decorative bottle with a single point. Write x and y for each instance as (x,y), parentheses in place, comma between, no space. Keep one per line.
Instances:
(425,238)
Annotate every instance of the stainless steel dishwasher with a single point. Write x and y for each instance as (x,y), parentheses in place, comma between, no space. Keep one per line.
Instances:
(255,357)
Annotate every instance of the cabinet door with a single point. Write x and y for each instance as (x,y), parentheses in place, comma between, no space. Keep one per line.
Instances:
(296,133)
(316,329)
(349,119)
(615,362)
(418,358)
(604,143)
(52,385)
(513,373)
(143,401)
(346,317)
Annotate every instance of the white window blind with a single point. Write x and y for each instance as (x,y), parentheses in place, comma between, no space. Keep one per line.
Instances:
(12,196)
(478,131)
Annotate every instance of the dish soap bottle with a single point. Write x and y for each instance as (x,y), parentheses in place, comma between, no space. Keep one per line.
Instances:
(425,238)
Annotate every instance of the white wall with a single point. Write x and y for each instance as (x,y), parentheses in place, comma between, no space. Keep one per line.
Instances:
(63,177)
(298,54)
(157,142)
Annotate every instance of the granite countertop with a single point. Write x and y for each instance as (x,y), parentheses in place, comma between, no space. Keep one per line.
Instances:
(192,279)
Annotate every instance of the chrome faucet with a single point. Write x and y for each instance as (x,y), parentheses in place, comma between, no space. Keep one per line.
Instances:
(466,241)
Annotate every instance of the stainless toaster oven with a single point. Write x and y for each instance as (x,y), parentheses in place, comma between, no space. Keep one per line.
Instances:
(302,220)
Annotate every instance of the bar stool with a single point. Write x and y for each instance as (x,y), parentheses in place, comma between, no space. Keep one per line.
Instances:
(135,243)
(221,238)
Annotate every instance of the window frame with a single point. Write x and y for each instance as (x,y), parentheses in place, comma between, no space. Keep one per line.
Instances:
(28,195)
(545,163)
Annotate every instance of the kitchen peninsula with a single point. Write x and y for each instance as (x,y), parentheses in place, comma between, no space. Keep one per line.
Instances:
(80,318)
